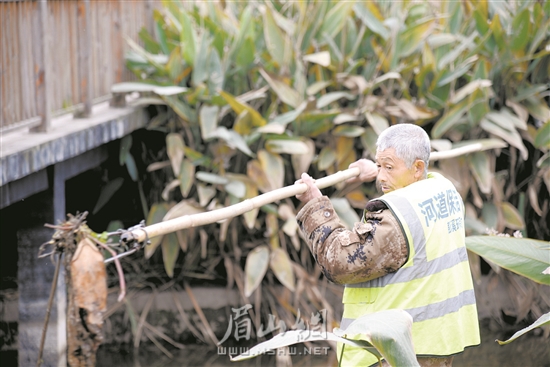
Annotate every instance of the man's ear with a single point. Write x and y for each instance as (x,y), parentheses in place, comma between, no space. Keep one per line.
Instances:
(419,167)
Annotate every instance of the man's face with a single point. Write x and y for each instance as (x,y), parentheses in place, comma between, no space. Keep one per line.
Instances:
(393,173)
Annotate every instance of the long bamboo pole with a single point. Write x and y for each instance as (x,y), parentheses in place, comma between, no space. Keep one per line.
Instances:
(195,220)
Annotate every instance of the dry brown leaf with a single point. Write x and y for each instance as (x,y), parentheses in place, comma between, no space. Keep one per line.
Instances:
(89,282)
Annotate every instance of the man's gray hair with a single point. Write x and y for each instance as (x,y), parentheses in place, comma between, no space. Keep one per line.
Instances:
(410,142)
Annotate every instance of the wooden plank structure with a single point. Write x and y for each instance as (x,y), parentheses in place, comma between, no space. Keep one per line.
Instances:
(61,56)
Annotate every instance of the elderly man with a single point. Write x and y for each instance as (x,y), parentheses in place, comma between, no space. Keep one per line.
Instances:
(407,253)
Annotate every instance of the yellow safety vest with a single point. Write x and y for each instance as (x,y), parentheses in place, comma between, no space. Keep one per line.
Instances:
(434,286)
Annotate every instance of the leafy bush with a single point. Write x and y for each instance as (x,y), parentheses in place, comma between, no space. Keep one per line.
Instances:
(250,95)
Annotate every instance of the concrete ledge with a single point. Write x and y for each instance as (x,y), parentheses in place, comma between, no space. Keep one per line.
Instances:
(23,153)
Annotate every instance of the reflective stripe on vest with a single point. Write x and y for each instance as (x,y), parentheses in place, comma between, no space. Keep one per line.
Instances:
(433,310)
(434,285)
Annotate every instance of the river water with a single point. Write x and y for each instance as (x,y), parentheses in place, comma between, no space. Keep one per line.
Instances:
(530,350)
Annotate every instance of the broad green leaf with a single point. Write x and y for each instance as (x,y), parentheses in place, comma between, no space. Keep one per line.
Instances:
(455,53)
(200,65)
(236,188)
(449,76)
(489,124)
(368,141)
(481,22)
(287,25)
(378,122)
(233,139)
(529,91)
(478,106)
(385,334)
(246,54)
(175,65)
(273,166)
(542,139)
(498,33)
(256,173)
(371,21)
(512,217)
(186,177)
(125,145)
(540,35)
(175,149)
(489,214)
(250,216)
(131,167)
(170,250)
(245,23)
(215,70)
(239,107)
(409,40)
(345,117)
(328,98)
(335,19)
(274,37)
(509,116)
(141,56)
(522,27)
(538,109)
(544,161)
(301,162)
(208,119)
(387,76)
(211,178)
(316,87)
(255,268)
(326,158)
(156,213)
(286,146)
(243,124)
(287,117)
(271,128)
(344,146)
(449,119)
(151,45)
(107,193)
(322,58)
(389,332)
(436,40)
(474,225)
(346,213)
(481,169)
(280,264)
(181,108)
(283,90)
(350,131)
(291,337)
(541,321)
(188,38)
(524,256)
(184,207)
(206,193)
(129,87)
(469,89)
(415,113)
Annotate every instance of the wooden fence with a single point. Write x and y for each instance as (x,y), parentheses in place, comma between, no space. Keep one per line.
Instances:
(62,56)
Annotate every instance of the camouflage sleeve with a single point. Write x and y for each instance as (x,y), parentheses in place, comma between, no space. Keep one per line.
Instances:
(370,250)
